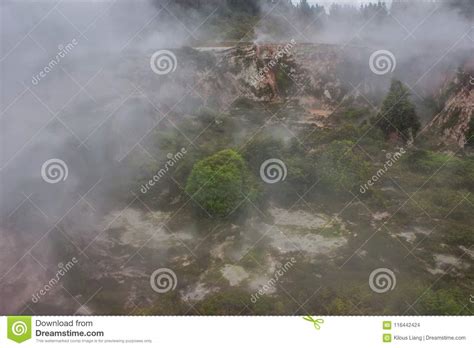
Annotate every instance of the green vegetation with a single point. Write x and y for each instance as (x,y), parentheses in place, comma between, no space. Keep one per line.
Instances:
(425,193)
(341,168)
(445,170)
(442,302)
(427,162)
(438,203)
(338,158)
(398,114)
(261,148)
(235,302)
(221,183)
(354,113)
(455,234)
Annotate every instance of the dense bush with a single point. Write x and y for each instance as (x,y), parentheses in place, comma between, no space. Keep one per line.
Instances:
(220,183)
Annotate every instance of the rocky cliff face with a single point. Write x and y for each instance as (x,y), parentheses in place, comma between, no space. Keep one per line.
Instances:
(266,72)
(313,79)
(454,124)
(307,82)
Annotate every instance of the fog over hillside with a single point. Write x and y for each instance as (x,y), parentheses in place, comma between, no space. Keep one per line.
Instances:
(78,85)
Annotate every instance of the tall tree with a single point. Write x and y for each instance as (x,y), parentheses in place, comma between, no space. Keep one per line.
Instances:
(398,114)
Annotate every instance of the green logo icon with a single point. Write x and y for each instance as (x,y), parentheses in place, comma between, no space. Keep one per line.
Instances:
(387,338)
(387,325)
(19,328)
(316,322)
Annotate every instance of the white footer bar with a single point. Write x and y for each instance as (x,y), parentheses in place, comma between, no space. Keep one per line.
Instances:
(237,331)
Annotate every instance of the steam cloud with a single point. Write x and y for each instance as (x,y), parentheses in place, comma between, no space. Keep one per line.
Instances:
(88,112)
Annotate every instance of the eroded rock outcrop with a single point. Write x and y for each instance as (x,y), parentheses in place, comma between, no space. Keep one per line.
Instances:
(455,122)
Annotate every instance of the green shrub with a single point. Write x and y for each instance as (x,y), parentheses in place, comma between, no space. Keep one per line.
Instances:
(220,183)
